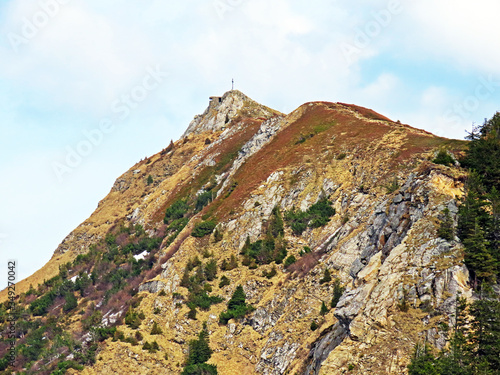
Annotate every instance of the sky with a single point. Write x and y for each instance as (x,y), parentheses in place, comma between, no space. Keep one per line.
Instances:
(89,88)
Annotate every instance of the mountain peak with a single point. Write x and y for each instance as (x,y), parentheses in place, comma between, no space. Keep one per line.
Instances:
(223,109)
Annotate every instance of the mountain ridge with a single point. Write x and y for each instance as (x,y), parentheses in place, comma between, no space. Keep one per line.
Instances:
(248,160)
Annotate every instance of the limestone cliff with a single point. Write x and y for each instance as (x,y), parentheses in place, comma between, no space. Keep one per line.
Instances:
(399,279)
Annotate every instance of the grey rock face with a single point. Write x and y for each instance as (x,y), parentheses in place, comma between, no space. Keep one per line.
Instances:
(152,286)
(276,355)
(323,347)
(222,110)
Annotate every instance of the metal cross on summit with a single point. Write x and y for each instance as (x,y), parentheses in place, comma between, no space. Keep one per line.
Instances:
(232,87)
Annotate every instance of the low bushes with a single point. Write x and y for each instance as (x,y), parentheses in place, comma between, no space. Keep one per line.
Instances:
(316,216)
(203,228)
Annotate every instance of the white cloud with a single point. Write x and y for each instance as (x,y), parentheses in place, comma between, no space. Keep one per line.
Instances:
(80,58)
(464,33)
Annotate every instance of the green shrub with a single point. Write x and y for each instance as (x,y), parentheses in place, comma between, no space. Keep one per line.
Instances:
(231,265)
(224,281)
(200,369)
(41,305)
(323,310)
(132,340)
(66,365)
(211,270)
(290,260)
(156,330)
(193,263)
(314,326)
(203,199)
(178,224)
(71,302)
(326,277)
(110,239)
(4,363)
(93,320)
(316,216)
(103,333)
(149,180)
(271,273)
(341,156)
(203,228)
(133,319)
(444,158)
(207,287)
(218,235)
(404,306)
(233,186)
(151,347)
(236,307)
(192,313)
(176,211)
(202,300)
(276,226)
(119,336)
(338,290)
(264,251)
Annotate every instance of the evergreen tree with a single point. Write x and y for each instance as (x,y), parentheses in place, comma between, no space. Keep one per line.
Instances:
(338,290)
(478,257)
(71,302)
(211,270)
(324,309)
(326,277)
(238,298)
(479,214)
(483,155)
(445,230)
(156,330)
(199,353)
(485,335)
(236,307)
(276,224)
(199,350)
(423,361)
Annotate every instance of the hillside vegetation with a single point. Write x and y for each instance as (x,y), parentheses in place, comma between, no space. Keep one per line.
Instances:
(329,240)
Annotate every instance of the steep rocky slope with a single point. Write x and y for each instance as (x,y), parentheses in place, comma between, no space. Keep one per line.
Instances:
(399,279)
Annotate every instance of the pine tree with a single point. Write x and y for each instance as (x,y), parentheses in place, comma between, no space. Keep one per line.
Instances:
(199,353)
(71,302)
(156,330)
(423,361)
(324,310)
(486,330)
(238,298)
(337,293)
(478,257)
(236,307)
(211,270)
(445,230)
(276,224)
(326,277)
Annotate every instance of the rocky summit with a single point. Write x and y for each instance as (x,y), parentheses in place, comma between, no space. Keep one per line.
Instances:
(259,243)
